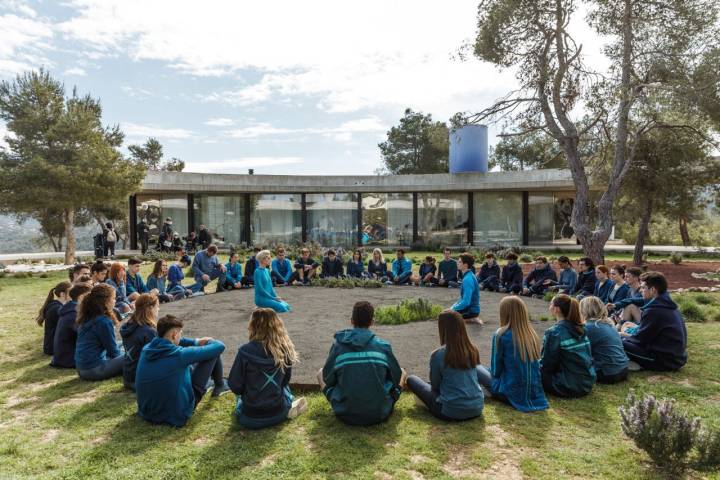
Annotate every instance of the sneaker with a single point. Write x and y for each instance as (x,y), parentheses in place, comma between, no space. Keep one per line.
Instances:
(388,282)
(634,366)
(298,407)
(221,389)
(197,294)
(452,284)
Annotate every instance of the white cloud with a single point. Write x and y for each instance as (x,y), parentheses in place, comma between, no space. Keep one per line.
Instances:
(18,6)
(76,71)
(342,133)
(133,130)
(136,92)
(23,44)
(3,133)
(220,122)
(239,165)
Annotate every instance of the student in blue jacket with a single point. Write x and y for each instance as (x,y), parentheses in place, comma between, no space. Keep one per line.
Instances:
(511,278)
(116,279)
(281,269)
(134,281)
(361,378)
(176,276)
(265,295)
(233,273)
(137,332)
(261,373)
(609,359)
(401,269)
(586,278)
(604,285)
(454,391)
(378,268)
(566,361)
(356,267)
(332,266)
(489,276)
(206,267)
(157,282)
(97,355)
(568,277)
(469,304)
(628,308)
(173,372)
(66,331)
(620,290)
(514,375)
(49,313)
(660,341)
(539,280)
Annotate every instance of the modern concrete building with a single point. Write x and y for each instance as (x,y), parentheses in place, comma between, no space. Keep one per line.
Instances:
(510,208)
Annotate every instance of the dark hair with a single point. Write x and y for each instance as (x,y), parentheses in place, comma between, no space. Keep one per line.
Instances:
(185,259)
(467,259)
(447,249)
(489,255)
(564,259)
(359,254)
(134,261)
(331,252)
(570,309)
(400,250)
(212,249)
(257,249)
(98,266)
(460,352)
(167,323)
(79,290)
(75,269)
(429,258)
(511,256)
(233,254)
(362,314)
(84,278)
(61,287)
(588,262)
(655,280)
(635,272)
(157,268)
(541,259)
(280,250)
(99,301)
(620,269)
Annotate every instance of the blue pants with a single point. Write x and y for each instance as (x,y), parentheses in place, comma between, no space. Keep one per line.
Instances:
(110,368)
(468,313)
(257,423)
(511,288)
(402,278)
(490,283)
(429,397)
(278,279)
(201,373)
(216,273)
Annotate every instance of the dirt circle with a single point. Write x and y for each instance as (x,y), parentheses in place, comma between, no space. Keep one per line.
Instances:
(318,312)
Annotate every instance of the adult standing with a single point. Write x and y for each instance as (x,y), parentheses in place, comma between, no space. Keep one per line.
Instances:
(143,233)
(204,237)
(166,235)
(110,237)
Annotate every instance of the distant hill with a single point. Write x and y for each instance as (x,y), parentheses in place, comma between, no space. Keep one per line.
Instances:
(26,238)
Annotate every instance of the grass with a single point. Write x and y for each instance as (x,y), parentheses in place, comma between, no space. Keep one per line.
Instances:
(409,310)
(54,426)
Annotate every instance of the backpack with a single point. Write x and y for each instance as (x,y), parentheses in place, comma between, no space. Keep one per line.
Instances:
(111,236)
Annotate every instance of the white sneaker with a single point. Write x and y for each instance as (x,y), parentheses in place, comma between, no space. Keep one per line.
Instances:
(298,407)
(633,366)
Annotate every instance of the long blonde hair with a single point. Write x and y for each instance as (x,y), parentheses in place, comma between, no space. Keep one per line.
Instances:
(267,328)
(514,316)
(144,306)
(378,251)
(592,308)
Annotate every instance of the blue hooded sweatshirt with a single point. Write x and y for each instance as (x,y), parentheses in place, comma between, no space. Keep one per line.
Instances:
(400,266)
(362,377)
(261,387)
(460,394)
(284,268)
(568,280)
(634,297)
(157,282)
(332,268)
(469,294)
(517,380)
(51,316)
(603,291)
(662,332)
(175,276)
(163,379)
(95,343)
(134,338)
(65,336)
(607,349)
(566,356)
(135,283)
(121,297)
(233,273)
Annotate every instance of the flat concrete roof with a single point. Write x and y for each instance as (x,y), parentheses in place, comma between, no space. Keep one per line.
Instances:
(532,180)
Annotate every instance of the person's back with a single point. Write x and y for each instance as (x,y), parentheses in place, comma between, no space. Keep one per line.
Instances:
(95,342)
(460,394)
(361,375)
(134,337)
(608,354)
(65,336)
(52,316)
(567,356)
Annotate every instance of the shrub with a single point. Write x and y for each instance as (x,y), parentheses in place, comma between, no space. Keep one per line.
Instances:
(669,436)
(549,296)
(22,275)
(407,311)
(691,310)
(525,258)
(155,255)
(676,258)
(345,283)
(705,299)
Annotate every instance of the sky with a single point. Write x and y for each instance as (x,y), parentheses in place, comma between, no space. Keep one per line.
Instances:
(282,87)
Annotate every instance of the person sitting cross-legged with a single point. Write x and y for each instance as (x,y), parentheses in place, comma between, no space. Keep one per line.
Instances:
(378,268)
(157,282)
(511,278)
(426,277)
(361,378)
(568,277)
(628,309)
(173,372)
(356,267)
(489,276)
(514,375)
(447,271)
(265,295)
(206,267)
(66,331)
(281,269)
(134,281)
(604,285)
(233,275)
(454,391)
(176,276)
(332,266)
(539,280)
(587,279)
(660,341)
(469,304)
(401,269)
(261,373)
(609,358)
(305,268)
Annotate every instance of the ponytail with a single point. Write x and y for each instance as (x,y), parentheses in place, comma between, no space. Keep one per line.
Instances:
(570,309)
(62,287)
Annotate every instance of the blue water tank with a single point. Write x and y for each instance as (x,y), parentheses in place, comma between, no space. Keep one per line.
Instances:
(469,149)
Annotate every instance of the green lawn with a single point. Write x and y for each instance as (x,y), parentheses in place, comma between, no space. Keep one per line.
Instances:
(53,425)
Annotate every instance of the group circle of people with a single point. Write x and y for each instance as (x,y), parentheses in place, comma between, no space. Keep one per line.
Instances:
(624,321)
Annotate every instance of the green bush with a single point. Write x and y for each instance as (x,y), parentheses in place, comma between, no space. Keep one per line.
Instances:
(705,299)
(676,258)
(691,310)
(345,283)
(525,258)
(154,255)
(408,311)
(549,296)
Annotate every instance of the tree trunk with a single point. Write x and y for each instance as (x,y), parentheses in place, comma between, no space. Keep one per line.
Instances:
(643,231)
(70,244)
(684,234)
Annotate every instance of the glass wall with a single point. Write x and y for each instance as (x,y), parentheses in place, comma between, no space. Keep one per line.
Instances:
(564,233)
(443,218)
(223,216)
(497,218)
(156,208)
(541,220)
(332,219)
(275,218)
(387,218)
